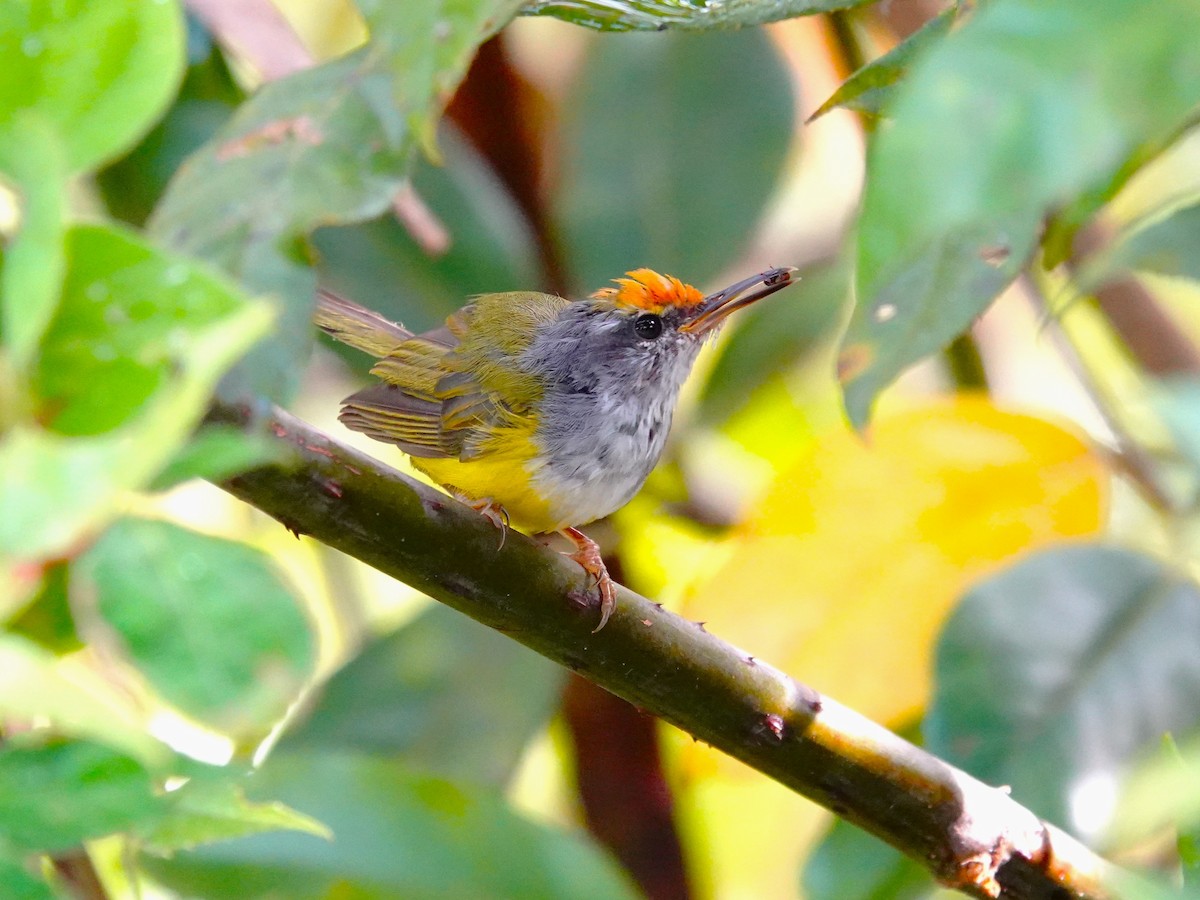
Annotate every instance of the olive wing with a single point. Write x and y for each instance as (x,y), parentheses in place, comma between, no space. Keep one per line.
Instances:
(453,392)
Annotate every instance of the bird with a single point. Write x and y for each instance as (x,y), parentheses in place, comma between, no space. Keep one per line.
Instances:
(540,412)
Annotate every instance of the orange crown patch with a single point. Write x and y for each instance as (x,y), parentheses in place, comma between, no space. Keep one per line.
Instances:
(646,289)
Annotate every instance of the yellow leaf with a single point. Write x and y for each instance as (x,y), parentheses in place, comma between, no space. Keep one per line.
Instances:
(857,553)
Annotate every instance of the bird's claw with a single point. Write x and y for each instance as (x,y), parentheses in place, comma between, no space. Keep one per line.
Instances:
(494,513)
(589,558)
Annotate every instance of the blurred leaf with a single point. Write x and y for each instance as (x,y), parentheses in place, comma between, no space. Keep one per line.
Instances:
(886,535)
(100,70)
(61,793)
(1123,882)
(673,144)
(131,186)
(432,43)
(850,864)
(1177,401)
(34,686)
(1165,247)
(416,693)
(328,145)
(379,265)
(20,883)
(53,488)
(1009,117)
(1162,792)
(215,808)
(47,618)
(209,621)
(1063,224)
(1054,674)
(216,453)
(397,834)
(691,15)
(33,260)
(1187,846)
(127,316)
(769,337)
(873,86)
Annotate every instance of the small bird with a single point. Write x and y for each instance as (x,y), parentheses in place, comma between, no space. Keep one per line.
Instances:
(536,410)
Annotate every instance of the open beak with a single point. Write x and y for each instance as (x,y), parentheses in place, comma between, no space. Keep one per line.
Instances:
(714,309)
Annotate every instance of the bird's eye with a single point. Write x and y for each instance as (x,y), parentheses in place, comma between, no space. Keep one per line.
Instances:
(648,326)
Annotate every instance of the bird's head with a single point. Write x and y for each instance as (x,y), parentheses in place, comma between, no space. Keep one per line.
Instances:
(643,334)
(655,306)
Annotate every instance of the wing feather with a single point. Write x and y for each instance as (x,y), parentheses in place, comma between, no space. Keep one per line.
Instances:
(447,393)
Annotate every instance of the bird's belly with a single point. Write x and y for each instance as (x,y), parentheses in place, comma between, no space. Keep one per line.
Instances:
(589,473)
(536,495)
(573,476)
(585,494)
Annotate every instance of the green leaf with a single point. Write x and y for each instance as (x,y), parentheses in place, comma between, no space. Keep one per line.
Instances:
(1163,792)
(34,259)
(1123,882)
(416,694)
(1167,246)
(20,883)
(100,70)
(328,145)
(132,321)
(124,321)
(209,621)
(132,185)
(47,618)
(216,452)
(214,808)
(379,265)
(673,144)
(1054,675)
(396,834)
(1008,118)
(771,336)
(850,864)
(691,15)
(58,794)
(431,43)
(35,688)
(1177,401)
(870,88)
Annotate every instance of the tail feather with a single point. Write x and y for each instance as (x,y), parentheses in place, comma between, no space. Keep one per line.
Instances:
(357,326)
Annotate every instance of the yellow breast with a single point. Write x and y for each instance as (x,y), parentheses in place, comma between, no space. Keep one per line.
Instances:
(502,475)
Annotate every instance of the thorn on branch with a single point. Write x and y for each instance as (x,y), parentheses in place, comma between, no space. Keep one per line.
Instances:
(771,725)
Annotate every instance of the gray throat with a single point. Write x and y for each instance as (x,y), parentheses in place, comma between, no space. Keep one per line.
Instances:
(606,411)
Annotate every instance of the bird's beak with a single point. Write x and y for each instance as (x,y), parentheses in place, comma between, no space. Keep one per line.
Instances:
(714,308)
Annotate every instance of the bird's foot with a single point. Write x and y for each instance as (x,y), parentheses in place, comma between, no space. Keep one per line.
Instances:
(493,512)
(588,556)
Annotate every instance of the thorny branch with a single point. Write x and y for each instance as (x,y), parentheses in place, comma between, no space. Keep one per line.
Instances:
(971,836)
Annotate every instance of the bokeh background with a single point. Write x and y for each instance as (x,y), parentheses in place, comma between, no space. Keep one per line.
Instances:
(566,157)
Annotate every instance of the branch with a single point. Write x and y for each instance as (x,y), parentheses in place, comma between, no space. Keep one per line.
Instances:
(1150,335)
(256,31)
(1129,455)
(79,876)
(972,837)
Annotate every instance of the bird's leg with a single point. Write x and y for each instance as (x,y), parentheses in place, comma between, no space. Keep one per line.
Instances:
(588,556)
(492,511)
